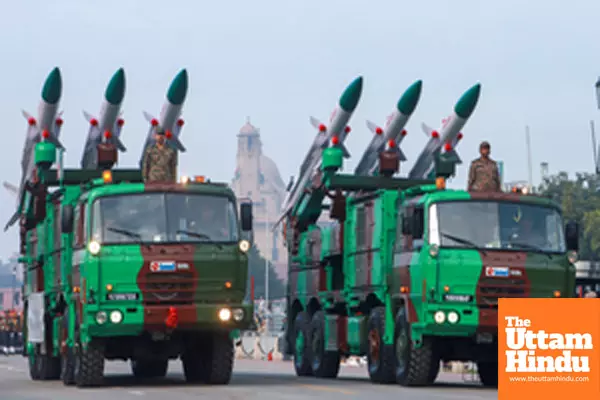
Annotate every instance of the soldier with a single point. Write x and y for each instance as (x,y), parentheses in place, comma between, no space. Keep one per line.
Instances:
(160,161)
(484,175)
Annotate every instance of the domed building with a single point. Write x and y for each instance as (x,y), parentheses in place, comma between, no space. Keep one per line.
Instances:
(257,178)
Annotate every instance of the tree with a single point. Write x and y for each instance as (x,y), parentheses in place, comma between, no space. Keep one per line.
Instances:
(580,202)
(257,270)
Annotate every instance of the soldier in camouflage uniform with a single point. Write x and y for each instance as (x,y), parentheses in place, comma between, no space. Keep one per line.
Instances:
(160,161)
(484,175)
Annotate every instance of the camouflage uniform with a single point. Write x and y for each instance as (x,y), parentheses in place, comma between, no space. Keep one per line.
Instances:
(484,176)
(160,164)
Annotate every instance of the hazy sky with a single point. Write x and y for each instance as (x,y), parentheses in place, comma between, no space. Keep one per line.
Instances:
(280,62)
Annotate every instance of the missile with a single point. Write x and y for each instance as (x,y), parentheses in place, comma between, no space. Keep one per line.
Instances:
(392,134)
(169,119)
(445,141)
(45,128)
(107,126)
(338,128)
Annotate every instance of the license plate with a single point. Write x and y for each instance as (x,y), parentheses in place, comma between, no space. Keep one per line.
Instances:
(122,296)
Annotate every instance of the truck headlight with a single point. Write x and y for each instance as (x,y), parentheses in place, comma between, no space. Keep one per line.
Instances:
(244,246)
(101,317)
(225,314)
(439,317)
(238,314)
(116,317)
(453,317)
(94,247)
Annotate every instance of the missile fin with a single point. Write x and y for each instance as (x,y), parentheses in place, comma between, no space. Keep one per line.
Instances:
(401,155)
(178,145)
(428,130)
(120,145)
(87,116)
(10,187)
(315,122)
(372,126)
(26,114)
(148,116)
(345,150)
(12,221)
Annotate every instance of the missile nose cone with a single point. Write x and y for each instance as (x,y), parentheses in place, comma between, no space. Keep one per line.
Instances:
(351,95)
(410,98)
(178,89)
(115,91)
(466,104)
(52,89)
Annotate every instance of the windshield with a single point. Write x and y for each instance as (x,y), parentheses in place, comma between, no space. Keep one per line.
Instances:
(496,225)
(164,217)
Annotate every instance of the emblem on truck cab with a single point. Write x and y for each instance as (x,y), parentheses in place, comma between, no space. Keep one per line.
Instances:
(162,266)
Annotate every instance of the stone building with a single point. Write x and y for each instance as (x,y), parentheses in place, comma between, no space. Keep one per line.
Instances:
(257,178)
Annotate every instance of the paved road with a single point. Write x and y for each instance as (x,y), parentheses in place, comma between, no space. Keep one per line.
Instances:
(252,380)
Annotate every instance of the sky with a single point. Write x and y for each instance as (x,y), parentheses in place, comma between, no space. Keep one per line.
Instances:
(280,62)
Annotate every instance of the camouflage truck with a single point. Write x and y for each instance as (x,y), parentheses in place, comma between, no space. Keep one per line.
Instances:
(409,272)
(121,270)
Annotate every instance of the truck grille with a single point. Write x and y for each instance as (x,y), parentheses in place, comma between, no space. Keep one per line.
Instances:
(492,289)
(168,288)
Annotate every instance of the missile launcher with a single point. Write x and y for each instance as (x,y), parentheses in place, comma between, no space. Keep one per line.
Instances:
(403,270)
(107,275)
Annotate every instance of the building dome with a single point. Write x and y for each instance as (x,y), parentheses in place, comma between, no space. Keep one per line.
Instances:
(271,172)
(248,128)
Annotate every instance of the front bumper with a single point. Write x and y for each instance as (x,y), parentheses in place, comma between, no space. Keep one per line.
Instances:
(135,320)
(471,321)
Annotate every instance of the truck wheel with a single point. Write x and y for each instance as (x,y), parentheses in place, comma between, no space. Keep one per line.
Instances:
(43,367)
(67,370)
(220,363)
(213,363)
(488,374)
(414,366)
(325,364)
(67,360)
(302,356)
(149,368)
(380,357)
(89,365)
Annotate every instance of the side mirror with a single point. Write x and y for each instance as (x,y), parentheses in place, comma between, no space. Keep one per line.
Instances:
(572,236)
(418,226)
(246,216)
(66,218)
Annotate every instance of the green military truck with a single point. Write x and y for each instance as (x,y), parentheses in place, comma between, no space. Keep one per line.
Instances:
(116,269)
(409,272)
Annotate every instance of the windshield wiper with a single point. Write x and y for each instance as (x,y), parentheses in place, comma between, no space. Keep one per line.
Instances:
(461,241)
(124,232)
(199,235)
(529,246)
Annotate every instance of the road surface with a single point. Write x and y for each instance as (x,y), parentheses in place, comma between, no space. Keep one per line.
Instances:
(252,380)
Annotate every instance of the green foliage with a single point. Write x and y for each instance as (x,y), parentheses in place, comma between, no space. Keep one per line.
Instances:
(580,201)
(257,270)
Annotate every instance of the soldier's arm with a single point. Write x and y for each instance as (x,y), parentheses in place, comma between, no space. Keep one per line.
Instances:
(173,165)
(471,176)
(497,177)
(146,164)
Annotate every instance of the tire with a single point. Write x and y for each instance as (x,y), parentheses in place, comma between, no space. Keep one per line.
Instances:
(325,364)
(89,365)
(302,348)
(213,365)
(380,357)
(146,369)
(67,360)
(43,367)
(414,366)
(488,374)
(67,370)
